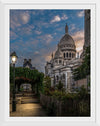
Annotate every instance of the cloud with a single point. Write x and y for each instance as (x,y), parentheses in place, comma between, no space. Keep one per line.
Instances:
(49,38)
(14,23)
(36,39)
(26,30)
(13,35)
(78,35)
(72,27)
(64,17)
(47,58)
(38,32)
(18,18)
(56,19)
(38,55)
(39,60)
(79,40)
(31,26)
(46,39)
(36,52)
(80,14)
(25,17)
(38,12)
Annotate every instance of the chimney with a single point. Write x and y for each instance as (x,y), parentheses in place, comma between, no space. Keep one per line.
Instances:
(29,60)
(25,60)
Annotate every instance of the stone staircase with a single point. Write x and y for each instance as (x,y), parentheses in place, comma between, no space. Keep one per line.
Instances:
(26,98)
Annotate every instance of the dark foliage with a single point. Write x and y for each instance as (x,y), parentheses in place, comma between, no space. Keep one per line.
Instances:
(83,70)
(26,75)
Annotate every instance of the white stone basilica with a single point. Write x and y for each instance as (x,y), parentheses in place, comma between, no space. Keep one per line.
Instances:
(63,62)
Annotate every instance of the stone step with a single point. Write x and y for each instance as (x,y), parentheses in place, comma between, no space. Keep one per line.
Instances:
(29,95)
(26,102)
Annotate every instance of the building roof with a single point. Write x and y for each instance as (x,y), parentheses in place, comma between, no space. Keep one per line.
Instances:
(58,54)
(28,64)
(67,41)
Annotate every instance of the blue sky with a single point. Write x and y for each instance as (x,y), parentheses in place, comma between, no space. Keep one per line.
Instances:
(35,33)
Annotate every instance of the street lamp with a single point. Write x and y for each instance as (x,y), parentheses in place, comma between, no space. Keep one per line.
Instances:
(14,60)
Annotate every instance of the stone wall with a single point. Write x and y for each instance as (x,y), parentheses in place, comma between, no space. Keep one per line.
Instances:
(82,82)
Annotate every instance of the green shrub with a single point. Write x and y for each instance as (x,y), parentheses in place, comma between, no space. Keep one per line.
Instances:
(84,69)
(21,89)
(47,91)
(82,93)
(59,86)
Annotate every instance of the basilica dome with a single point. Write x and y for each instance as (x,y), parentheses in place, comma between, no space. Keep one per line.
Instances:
(67,41)
(66,46)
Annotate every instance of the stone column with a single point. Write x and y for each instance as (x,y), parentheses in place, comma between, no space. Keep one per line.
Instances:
(66,80)
(52,81)
(69,81)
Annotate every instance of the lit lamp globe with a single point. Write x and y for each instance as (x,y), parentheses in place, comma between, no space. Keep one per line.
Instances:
(14,57)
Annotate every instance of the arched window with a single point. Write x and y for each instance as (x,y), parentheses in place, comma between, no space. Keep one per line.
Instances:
(56,61)
(63,76)
(72,55)
(67,54)
(60,61)
(57,78)
(64,55)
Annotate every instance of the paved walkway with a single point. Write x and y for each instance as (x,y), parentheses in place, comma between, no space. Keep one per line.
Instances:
(28,107)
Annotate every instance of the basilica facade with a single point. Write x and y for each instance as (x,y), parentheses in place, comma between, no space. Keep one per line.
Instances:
(63,62)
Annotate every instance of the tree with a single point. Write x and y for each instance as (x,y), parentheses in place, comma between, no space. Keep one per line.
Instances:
(46,85)
(27,75)
(83,70)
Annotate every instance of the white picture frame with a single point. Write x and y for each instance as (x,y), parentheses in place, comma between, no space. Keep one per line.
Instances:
(4,64)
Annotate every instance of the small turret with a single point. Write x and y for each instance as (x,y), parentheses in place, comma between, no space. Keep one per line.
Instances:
(66,29)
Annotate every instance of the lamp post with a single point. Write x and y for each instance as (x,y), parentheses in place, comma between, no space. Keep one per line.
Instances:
(14,60)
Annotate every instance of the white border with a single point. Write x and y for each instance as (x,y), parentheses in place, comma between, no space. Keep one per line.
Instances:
(5,79)
(57,6)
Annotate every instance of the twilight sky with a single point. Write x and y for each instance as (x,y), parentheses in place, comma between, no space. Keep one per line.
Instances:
(35,33)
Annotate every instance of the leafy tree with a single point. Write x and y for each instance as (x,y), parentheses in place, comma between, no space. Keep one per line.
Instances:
(83,93)
(46,85)
(27,75)
(47,82)
(83,70)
